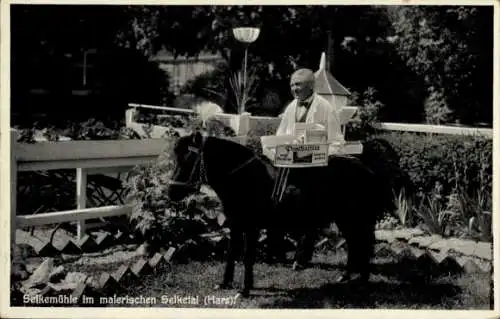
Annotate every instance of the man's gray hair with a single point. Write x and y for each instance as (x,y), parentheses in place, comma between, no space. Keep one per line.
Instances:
(305,74)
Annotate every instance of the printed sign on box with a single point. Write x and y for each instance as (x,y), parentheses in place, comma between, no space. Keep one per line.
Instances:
(301,155)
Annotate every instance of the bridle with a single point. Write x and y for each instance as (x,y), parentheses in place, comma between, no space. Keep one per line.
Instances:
(198,175)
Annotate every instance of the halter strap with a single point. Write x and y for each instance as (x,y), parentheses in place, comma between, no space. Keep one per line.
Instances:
(251,159)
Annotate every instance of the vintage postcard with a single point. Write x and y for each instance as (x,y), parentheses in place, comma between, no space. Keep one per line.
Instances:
(227,159)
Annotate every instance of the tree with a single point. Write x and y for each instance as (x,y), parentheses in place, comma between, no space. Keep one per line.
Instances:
(48,45)
(290,36)
(451,48)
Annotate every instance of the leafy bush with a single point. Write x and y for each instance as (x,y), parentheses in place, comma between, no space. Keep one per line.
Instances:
(436,109)
(368,114)
(455,162)
(450,180)
(161,222)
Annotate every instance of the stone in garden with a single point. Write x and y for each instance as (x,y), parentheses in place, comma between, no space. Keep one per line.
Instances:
(169,254)
(108,284)
(450,265)
(442,245)
(425,242)
(124,275)
(471,267)
(398,247)
(415,232)
(426,264)
(483,251)
(417,252)
(405,252)
(45,249)
(104,240)
(384,236)
(404,234)
(87,244)
(83,289)
(141,268)
(415,241)
(156,260)
(41,275)
(70,248)
(463,247)
(69,258)
(143,249)
(57,274)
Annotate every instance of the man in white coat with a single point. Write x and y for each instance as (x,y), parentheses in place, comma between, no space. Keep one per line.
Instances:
(309,107)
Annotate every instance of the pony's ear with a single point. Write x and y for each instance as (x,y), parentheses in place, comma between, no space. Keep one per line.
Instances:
(197,138)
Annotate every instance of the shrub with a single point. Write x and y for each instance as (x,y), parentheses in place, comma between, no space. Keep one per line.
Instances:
(456,162)
(436,109)
(161,222)
(450,179)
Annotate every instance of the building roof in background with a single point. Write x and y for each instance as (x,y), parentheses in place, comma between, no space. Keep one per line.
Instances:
(326,84)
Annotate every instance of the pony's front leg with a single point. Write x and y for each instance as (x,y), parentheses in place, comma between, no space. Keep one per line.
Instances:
(235,244)
(249,260)
(305,250)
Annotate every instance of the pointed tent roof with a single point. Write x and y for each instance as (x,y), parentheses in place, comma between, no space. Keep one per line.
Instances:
(326,84)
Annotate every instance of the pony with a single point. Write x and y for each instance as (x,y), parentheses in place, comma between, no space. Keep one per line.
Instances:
(345,192)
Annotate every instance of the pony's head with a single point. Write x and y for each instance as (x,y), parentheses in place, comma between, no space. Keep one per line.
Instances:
(189,172)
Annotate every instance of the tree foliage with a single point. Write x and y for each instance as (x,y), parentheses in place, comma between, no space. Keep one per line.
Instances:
(451,49)
(410,54)
(50,47)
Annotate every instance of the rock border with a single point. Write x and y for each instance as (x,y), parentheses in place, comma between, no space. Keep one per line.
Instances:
(447,254)
(107,284)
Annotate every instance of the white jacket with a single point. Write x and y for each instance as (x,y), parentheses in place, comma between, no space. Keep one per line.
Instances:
(320,112)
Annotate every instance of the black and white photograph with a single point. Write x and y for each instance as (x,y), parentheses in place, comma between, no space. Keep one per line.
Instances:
(139,145)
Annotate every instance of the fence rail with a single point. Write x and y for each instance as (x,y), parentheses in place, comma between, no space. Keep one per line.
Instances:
(99,157)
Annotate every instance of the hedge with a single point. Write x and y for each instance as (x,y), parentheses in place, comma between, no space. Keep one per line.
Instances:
(450,162)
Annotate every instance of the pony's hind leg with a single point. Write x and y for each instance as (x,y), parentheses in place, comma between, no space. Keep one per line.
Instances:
(249,260)
(305,250)
(235,245)
(359,253)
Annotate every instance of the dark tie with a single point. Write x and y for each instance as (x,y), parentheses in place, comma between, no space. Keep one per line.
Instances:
(303,104)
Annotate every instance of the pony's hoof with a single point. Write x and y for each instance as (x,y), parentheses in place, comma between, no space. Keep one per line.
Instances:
(349,278)
(244,293)
(297,266)
(223,286)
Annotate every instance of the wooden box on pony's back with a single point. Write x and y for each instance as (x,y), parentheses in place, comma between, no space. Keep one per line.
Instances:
(308,147)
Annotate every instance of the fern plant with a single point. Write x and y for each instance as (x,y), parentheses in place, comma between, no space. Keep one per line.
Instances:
(436,219)
(404,208)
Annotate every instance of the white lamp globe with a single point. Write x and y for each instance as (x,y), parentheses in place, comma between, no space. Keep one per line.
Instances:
(246,34)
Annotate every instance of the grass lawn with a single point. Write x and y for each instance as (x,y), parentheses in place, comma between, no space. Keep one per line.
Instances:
(278,286)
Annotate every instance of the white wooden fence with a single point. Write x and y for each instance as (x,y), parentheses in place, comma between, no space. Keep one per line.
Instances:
(93,157)
(244,123)
(87,157)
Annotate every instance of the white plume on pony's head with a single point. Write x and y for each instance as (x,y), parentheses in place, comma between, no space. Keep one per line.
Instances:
(207,110)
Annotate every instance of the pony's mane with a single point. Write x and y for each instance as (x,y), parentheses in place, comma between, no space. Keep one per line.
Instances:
(245,150)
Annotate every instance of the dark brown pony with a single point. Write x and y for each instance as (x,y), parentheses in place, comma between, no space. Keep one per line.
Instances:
(346,192)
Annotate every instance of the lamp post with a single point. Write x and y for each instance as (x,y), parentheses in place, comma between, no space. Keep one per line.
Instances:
(246,35)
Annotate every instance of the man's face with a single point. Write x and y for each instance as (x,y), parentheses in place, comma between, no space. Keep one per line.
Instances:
(301,86)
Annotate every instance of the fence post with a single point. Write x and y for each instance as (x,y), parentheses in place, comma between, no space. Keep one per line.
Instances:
(13,188)
(81,198)
(244,124)
(130,116)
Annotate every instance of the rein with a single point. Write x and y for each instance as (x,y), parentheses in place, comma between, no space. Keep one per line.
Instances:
(201,166)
